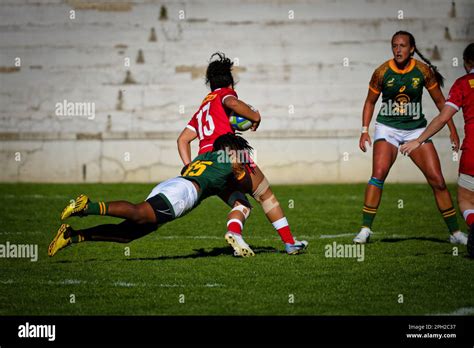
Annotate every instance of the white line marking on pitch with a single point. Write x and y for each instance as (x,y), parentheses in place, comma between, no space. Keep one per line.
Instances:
(119,283)
(35,196)
(67,282)
(460,311)
(124,284)
(29,232)
(324,236)
(213,285)
(212,237)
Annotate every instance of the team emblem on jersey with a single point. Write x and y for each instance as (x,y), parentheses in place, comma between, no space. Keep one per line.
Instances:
(390,82)
(401,102)
(415,82)
(471,83)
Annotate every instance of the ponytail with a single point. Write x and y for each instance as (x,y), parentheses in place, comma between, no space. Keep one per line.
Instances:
(439,78)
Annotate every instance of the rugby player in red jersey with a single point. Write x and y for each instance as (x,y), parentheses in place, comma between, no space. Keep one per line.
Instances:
(460,96)
(211,121)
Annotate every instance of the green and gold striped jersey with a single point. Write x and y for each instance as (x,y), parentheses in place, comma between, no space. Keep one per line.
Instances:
(401,93)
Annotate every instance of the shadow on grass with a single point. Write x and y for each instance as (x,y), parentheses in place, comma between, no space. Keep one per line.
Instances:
(426,239)
(197,254)
(204,253)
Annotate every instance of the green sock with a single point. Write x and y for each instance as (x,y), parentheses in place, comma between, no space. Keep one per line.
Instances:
(449,216)
(368,216)
(75,236)
(99,208)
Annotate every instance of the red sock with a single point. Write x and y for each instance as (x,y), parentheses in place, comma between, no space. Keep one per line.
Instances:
(284,230)
(235,226)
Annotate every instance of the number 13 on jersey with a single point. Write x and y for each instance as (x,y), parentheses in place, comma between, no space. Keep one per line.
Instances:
(205,122)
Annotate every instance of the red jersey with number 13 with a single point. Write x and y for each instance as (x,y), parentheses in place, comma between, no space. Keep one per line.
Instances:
(212,118)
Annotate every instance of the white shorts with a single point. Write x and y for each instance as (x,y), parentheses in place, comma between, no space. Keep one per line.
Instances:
(466,181)
(395,136)
(181,194)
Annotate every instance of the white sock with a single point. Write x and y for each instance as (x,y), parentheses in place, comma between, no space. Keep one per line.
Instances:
(280,223)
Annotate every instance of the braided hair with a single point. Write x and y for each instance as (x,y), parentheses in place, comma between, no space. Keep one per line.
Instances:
(233,142)
(439,78)
(219,72)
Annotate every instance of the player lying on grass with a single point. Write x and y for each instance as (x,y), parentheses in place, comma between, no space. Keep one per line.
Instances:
(212,120)
(460,96)
(207,175)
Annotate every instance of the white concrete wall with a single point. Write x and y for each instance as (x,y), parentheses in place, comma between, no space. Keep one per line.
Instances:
(284,64)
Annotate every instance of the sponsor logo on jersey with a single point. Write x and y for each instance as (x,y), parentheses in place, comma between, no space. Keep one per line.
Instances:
(402,89)
(209,97)
(471,83)
(415,82)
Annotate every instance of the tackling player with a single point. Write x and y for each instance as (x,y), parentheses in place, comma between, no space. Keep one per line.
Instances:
(400,81)
(460,96)
(210,121)
(207,175)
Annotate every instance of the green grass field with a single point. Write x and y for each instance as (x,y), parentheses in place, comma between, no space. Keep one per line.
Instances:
(409,255)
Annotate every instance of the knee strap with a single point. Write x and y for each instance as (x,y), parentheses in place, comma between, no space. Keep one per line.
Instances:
(243,209)
(270,203)
(261,189)
(376,182)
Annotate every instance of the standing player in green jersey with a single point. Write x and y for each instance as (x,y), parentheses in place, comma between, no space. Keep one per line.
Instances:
(207,175)
(400,119)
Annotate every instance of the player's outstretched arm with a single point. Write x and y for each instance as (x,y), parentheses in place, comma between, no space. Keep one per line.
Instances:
(184,145)
(434,127)
(439,100)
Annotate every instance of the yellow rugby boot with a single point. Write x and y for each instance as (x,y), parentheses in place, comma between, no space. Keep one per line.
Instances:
(62,240)
(75,208)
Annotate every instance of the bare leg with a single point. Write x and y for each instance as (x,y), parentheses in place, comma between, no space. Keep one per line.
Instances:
(384,156)
(426,158)
(140,213)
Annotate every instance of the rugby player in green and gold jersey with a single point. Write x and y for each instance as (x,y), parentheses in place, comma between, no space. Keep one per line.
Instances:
(207,175)
(400,119)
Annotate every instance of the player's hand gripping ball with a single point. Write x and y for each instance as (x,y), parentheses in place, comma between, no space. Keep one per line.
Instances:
(240,123)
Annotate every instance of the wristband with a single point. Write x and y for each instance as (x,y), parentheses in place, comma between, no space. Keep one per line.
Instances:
(364,130)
